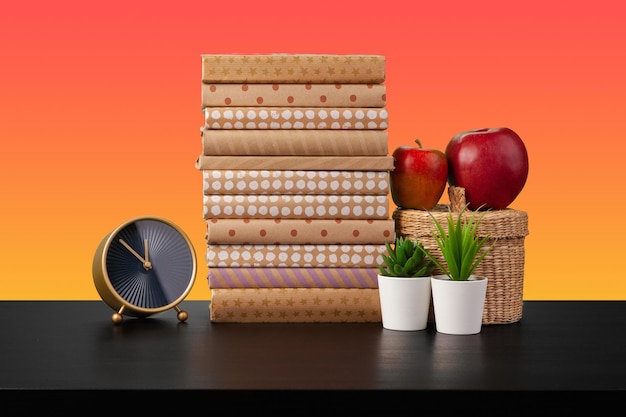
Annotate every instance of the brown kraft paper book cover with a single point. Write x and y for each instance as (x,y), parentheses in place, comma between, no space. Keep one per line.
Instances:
(294,182)
(295,142)
(294,95)
(373,118)
(299,231)
(295,305)
(308,163)
(293,68)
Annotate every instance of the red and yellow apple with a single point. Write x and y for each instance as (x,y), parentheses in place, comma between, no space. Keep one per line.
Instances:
(419,176)
(490,163)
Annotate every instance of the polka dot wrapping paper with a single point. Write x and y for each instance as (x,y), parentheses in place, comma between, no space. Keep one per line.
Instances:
(294,95)
(295,182)
(295,256)
(299,231)
(366,207)
(295,118)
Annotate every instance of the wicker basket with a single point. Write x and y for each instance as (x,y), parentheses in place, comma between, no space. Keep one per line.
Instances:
(503,265)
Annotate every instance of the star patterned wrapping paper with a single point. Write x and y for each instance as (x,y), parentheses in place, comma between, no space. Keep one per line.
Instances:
(295,305)
(293,68)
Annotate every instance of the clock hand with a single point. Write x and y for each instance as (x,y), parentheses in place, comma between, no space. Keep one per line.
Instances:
(145,248)
(147,265)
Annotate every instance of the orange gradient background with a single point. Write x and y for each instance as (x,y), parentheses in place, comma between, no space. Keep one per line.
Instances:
(100,118)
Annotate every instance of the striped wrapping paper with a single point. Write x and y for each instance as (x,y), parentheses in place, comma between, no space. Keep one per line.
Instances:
(268,277)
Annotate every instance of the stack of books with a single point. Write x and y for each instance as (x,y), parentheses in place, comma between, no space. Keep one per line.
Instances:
(295,169)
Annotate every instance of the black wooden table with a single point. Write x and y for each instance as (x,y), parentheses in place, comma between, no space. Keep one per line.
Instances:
(71,347)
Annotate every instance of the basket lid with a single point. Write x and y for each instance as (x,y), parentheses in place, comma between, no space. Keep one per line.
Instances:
(505,223)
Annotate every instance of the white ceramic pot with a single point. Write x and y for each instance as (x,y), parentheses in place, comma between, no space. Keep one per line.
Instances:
(458,305)
(404,302)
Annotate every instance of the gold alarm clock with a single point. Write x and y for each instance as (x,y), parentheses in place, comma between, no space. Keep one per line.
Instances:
(145,266)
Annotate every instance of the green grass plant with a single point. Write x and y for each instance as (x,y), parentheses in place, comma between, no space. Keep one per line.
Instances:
(460,246)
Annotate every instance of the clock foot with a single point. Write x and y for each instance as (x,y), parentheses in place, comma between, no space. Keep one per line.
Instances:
(182,315)
(116,318)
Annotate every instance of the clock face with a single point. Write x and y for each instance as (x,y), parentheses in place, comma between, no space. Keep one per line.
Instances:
(150,263)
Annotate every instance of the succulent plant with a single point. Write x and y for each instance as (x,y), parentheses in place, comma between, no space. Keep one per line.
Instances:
(406,259)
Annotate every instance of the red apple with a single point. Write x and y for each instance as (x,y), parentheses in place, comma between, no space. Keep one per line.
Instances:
(491,164)
(419,177)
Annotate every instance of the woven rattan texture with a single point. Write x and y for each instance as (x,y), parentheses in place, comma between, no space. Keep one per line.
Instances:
(503,265)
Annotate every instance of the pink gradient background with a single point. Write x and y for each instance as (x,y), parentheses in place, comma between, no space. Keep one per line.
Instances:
(100,108)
